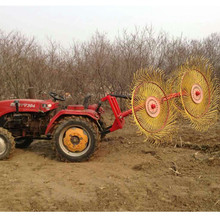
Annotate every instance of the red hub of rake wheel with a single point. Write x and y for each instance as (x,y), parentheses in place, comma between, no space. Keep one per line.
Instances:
(197,93)
(152,106)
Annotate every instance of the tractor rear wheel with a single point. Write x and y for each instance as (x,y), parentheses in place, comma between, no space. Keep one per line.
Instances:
(7,143)
(23,143)
(75,139)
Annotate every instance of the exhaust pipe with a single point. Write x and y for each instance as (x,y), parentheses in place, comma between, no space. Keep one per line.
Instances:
(31,93)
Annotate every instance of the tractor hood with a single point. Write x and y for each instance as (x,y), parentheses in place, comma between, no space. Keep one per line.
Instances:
(26,105)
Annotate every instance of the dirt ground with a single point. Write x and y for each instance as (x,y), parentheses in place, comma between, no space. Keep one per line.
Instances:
(125,174)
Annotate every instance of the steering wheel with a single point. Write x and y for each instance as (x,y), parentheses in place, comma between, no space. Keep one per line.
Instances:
(56,96)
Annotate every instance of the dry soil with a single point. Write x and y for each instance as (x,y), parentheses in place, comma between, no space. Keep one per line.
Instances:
(125,174)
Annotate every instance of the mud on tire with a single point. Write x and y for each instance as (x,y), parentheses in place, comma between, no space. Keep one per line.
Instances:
(7,143)
(88,127)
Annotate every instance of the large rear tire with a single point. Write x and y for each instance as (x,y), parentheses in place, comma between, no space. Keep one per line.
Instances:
(75,139)
(7,143)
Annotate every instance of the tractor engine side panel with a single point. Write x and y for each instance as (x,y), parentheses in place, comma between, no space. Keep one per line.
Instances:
(25,124)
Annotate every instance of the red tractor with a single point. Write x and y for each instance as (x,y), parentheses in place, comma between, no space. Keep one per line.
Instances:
(75,130)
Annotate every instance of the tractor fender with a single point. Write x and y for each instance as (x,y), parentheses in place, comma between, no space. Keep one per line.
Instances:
(88,112)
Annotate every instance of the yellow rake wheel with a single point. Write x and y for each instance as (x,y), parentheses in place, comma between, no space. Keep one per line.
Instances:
(151,110)
(199,93)
(197,101)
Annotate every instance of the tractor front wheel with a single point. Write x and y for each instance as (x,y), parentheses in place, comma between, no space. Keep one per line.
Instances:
(7,143)
(75,139)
